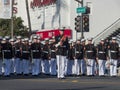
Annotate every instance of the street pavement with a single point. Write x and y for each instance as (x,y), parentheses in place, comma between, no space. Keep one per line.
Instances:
(52,83)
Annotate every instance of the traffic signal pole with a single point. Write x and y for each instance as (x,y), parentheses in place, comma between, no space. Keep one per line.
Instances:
(82,32)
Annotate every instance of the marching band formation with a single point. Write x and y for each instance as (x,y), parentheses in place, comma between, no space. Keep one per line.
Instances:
(58,56)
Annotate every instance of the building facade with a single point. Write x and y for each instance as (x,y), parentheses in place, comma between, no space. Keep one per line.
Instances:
(53,14)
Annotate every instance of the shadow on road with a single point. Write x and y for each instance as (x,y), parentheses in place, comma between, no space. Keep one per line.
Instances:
(42,76)
(85,88)
(88,88)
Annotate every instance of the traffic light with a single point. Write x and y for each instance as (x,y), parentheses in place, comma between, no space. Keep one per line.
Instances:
(87,10)
(85,23)
(78,23)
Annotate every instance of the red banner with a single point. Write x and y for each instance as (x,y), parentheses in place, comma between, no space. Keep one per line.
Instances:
(50,33)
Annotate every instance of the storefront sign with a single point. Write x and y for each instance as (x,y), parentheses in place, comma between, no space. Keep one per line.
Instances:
(41,3)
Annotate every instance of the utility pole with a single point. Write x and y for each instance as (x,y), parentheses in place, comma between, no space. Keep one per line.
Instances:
(43,25)
(28,16)
(12,30)
(82,32)
(59,3)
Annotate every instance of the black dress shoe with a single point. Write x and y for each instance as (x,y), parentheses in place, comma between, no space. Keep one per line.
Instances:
(83,74)
(102,76)
(114,76)
(91,75)
(19,74)
(35,75)
(61,78)
(26,75)
(7,76)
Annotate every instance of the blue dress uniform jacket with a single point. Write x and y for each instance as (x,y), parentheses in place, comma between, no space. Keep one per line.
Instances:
(53,50)
(90,51)
(45,52)
(36,50)
(0,51)
(71,53)
(62,50)
(79,51)
(7,50)
(25,51)
(114,50)
(102,51)
(18,50)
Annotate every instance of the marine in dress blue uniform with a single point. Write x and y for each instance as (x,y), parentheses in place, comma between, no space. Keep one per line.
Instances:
(18,56)
(7,56)
(35,55)
(90,55)
(62,49)
(114,56)
(26,56)
(53,63)
(101,57)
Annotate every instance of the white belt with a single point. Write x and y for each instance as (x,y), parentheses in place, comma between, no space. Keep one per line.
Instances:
(89,51)
(17,50)
(52,50)
(78,52)
(45,51)
(113,51)
(35,50)
(63,46)
(6,50)
(25,51)
(101,52)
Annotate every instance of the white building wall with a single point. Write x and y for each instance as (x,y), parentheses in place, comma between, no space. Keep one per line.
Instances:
(103,14)
(65,13)
(21,11)
(73,14)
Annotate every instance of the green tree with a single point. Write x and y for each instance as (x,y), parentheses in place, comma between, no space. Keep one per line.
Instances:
(4,27)
(18,27)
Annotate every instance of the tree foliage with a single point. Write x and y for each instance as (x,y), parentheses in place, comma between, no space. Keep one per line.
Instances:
(18,27)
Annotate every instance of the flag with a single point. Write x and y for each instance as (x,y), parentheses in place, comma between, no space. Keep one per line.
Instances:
(5,9)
